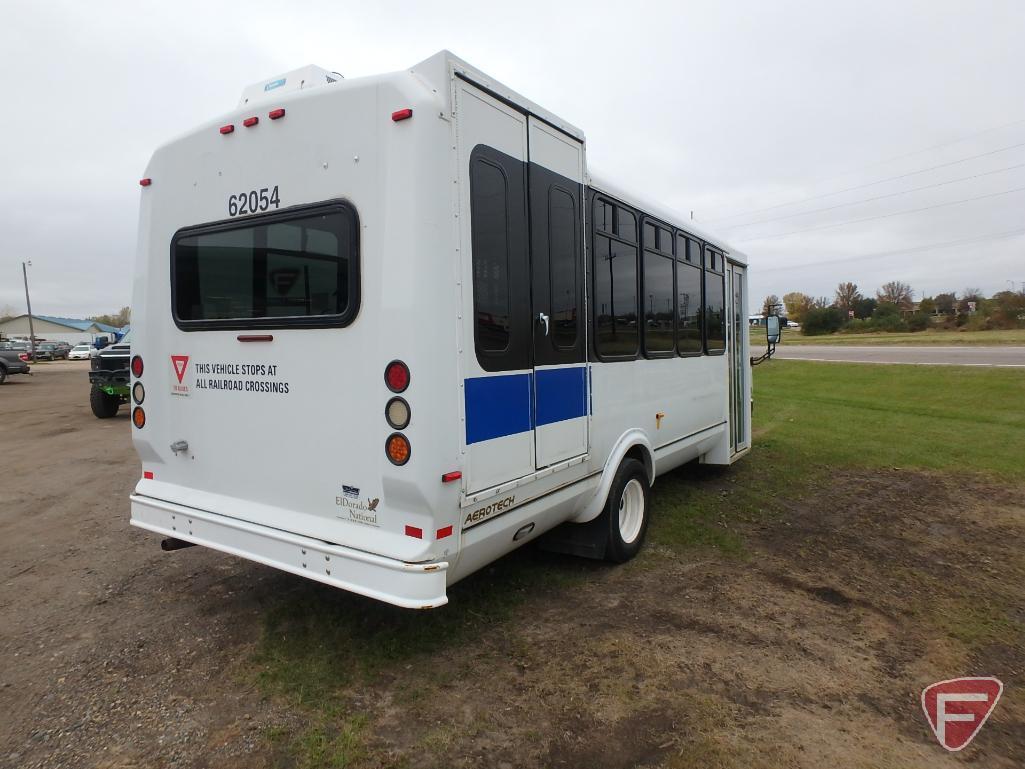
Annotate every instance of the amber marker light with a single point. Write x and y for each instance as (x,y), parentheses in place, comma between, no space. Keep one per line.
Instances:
(397,449)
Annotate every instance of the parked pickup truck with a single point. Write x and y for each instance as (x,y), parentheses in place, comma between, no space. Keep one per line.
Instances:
(12,362)
(50,351)
(109,378)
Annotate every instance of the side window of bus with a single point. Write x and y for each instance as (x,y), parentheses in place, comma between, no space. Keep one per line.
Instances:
(615,282)
(498,245)
(715,314)
(657,296)
(688,297)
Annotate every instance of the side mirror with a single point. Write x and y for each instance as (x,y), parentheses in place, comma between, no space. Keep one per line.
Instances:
(772,330)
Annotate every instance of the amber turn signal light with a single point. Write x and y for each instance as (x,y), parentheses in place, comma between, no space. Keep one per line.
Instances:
(397,449)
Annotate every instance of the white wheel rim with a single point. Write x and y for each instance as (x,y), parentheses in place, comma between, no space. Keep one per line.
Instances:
(631,511)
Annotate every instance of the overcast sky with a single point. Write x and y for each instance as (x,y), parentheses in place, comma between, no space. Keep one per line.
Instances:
(748,113)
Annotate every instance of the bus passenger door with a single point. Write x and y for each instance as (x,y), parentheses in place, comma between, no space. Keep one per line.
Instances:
(737,346)
(497,359)
(555,188)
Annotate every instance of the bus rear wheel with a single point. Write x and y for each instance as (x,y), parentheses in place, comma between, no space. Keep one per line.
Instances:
(104,406)
(627,511)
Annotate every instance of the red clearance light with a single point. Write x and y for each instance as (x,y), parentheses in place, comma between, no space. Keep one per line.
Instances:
(148,475)
(274,114)
(227,129)
(249,122)
(413,531)
(455,475)
(145,182)
(137,366)
(402,114)
(396,376)
(444,532)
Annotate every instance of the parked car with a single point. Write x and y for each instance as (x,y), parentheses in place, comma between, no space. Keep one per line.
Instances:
(109,378)
(12,362)
(50,351)
(81,352)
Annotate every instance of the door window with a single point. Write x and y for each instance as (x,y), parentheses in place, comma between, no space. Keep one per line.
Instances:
(562,252)
(499,258)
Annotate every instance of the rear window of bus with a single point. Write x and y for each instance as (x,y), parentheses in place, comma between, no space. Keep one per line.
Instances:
(297,268)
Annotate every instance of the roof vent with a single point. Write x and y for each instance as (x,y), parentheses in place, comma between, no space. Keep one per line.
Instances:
(296,80)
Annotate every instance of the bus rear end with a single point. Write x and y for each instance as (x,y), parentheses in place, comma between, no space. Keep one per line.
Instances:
(281,351)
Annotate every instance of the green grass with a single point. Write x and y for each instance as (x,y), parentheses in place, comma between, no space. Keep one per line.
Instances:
(811,418)
(332,741)
(921,338)
(819,415)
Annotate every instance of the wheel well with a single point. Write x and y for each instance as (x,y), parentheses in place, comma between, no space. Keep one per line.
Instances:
(639,453)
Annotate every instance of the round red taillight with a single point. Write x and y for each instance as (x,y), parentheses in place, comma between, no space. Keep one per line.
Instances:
(396,376)
(137,366)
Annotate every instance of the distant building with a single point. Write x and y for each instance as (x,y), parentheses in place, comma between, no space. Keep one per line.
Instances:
(55,329)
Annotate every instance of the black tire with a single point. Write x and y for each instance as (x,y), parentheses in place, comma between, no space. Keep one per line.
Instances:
(104,406)
(3,374)
(629,487)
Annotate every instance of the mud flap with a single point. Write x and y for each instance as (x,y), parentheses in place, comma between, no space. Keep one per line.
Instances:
(585,540)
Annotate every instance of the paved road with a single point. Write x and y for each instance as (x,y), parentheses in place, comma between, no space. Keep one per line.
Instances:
(1004,356)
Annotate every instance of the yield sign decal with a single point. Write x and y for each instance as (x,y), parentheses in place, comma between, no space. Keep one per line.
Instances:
(957,709)
(180,363)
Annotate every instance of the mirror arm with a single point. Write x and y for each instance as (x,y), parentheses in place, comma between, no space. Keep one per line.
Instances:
(765,355)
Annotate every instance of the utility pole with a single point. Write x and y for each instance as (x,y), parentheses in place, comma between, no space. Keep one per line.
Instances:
(28,303)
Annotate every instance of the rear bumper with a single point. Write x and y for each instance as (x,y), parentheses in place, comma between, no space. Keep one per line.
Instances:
(410,585)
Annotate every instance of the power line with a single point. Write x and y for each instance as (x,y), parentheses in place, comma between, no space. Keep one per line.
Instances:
(892,159)
(884,216)
(878,197)
(871,184)
(913,250)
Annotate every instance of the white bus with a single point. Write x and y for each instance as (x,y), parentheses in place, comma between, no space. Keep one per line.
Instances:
(388,329)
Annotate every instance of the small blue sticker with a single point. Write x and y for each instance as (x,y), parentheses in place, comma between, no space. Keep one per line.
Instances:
(274,84)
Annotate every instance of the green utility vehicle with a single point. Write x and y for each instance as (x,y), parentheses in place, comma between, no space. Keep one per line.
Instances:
(109,378)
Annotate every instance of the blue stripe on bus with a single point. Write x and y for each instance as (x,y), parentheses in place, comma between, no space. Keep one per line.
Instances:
(561,394)
(497,406)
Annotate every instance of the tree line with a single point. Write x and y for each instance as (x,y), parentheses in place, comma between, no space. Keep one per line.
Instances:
(893,309)
(119,319)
